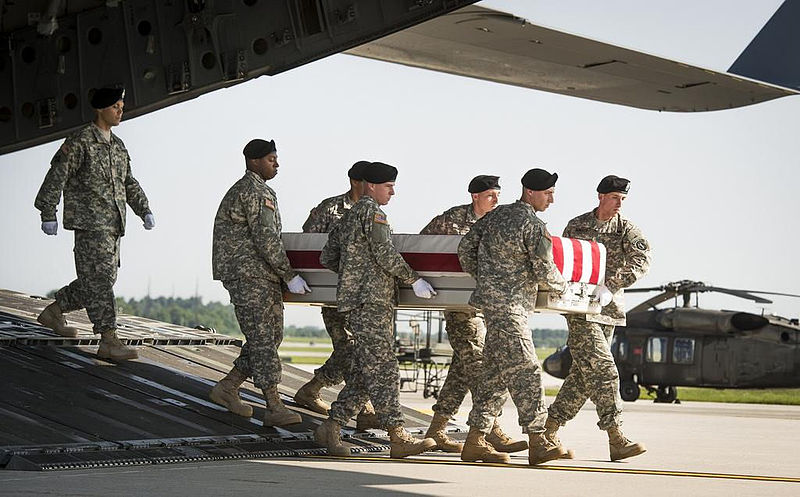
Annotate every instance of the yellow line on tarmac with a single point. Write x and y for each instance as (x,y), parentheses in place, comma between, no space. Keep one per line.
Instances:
(585,469)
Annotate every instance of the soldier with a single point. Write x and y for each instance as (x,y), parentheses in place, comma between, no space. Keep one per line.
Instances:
(508,252)
(361,251)
(249,258)
(333,372)
(92,168)
(465,330)
(593,373)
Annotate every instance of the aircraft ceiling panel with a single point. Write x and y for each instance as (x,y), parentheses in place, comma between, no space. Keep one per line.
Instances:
(495,46)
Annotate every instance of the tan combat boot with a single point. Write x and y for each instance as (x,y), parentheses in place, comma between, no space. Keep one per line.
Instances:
(404,445)
(52,317)
(226,393)
(308,396)
(551,433)
(477,449)
(276,413)
(502,442)
(367,419)
(542,450)
(437,433)
(622,448)
(328,434)
(112,348)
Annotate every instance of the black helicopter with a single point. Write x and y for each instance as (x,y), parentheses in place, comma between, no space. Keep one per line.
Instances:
(661,349)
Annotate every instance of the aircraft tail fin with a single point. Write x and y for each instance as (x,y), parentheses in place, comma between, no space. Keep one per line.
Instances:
(774,54)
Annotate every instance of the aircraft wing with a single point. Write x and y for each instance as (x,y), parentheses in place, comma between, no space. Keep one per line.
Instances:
(495,46)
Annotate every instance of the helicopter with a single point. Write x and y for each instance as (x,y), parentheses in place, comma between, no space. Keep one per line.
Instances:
(661,349)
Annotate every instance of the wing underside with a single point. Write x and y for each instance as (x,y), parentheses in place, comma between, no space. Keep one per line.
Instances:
(495,46)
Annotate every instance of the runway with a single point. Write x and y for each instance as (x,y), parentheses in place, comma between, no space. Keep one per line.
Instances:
(693,448)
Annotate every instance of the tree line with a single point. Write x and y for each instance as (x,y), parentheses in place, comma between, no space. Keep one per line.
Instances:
(192,312)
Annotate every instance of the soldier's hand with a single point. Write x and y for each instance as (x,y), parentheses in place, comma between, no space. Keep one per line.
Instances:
(298,285)
(50,227)
(423,289)
(604,295)
(149,222)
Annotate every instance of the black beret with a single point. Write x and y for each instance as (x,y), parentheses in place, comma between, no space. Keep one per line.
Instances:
(258,148)
(106,97)
(613,184)
(539,179)
(356,172)
(378,172)
(482,183)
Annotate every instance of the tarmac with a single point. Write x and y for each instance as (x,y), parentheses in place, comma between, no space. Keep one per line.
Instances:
(704,449)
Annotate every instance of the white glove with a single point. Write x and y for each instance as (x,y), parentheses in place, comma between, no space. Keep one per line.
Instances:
(149,222)
(50,227)
(604,295)
(423,289)
(298,285)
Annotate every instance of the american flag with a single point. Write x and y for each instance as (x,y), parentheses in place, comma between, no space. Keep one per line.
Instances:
(581,261)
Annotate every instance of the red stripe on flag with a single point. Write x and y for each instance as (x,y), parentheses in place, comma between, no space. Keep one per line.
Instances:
(558,253)
(304,259)
(420,261)
(577,256)
(595,263)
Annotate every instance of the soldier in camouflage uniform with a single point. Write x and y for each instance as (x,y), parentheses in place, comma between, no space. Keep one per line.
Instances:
(508,252)
(593,374)
(361,251)
(249,258)
(333,372)
(92,168)
(465,330)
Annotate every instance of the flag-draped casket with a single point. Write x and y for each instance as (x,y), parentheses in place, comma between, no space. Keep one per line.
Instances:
(435,258)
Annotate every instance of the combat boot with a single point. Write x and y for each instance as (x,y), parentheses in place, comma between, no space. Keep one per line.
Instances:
(329,435)
(52,317)
(437,432)
(367,419)
(542,450)
(502,442)
(111,347)
(404,445)
(476,448)
(276,413)
(308,396)
(622,448)
(226,393)
(551,433)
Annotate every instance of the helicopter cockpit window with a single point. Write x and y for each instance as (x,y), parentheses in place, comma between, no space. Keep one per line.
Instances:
(683,351)
(657,349)
(619,348)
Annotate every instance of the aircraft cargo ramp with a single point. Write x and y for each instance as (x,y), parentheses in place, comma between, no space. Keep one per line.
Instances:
(63,408)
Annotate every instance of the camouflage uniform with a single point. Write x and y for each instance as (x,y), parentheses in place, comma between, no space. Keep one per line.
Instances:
(593,374)
(508,252)
(465,330)
(321,220)
(249,258)
(361,251)
(95,176)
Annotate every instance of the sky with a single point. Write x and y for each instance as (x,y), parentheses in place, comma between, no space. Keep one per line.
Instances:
(715,193)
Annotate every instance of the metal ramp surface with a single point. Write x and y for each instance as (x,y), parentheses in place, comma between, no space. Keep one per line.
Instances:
(63,408)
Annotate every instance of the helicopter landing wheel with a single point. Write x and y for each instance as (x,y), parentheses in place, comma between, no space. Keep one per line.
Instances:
(666,394)
(629,391)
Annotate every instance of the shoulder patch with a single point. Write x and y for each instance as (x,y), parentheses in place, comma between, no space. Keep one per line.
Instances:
(380,218)
(269,203)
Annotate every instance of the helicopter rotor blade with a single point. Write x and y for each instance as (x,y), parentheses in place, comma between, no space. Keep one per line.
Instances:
(744,294)
(772,293)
